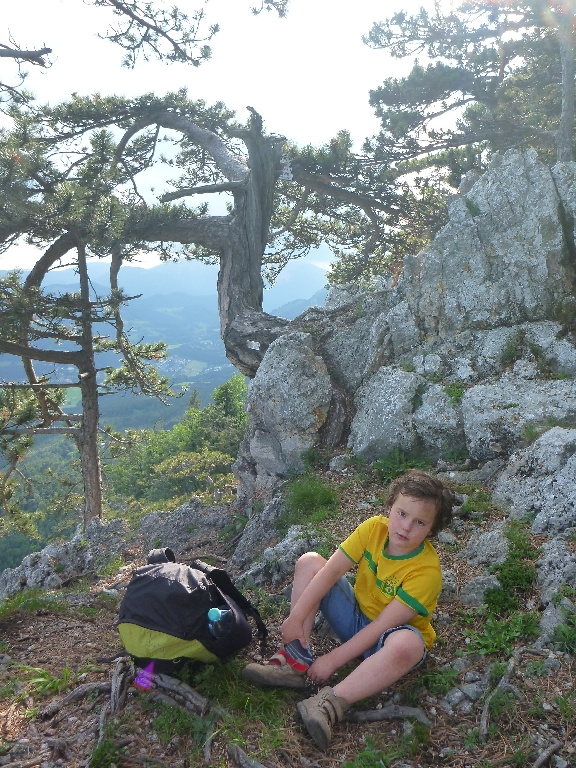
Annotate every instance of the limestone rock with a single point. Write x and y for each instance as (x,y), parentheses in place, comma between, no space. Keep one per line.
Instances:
(260,533)
(556,568)
(496,416)
(383,419)
(287,404)
(473,592)
(277,563)
(486,547)
(175,528)
(501,259)
(449,587)
(540,481)
(438,422)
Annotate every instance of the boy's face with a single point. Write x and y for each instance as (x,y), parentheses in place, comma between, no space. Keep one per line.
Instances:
(410,521)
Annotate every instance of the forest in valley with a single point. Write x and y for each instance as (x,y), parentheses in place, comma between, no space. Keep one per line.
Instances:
(482,77)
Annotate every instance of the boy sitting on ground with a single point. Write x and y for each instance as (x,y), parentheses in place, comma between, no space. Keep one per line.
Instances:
(386,616)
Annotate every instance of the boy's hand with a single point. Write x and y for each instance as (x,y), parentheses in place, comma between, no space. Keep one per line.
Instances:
(322,669)
(292,629)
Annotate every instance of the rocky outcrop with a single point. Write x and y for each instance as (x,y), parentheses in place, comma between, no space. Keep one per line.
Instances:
(89,553)
(472,349)
(539,483)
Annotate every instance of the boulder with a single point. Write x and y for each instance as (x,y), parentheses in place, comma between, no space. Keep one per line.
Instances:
(503,256)
(260,533)
(276,564)
(539,482)
(555,568)
(438,422)
(486,547)
(473,592)
(288,401)
(383,420)
(499,416)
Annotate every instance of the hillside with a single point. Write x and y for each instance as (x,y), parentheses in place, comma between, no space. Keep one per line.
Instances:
(178,304)
(481,666)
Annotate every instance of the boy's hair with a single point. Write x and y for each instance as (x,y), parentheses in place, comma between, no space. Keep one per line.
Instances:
(421,485)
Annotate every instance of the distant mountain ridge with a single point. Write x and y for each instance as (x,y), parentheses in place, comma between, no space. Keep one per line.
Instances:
(300,279)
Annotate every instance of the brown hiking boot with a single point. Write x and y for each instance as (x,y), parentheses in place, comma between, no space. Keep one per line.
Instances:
(277,673)
(320,714)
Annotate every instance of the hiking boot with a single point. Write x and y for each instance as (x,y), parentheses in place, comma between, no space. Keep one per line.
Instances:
(280,671)
(320,714)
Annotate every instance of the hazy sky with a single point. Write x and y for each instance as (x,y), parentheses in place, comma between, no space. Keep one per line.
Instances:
(308,75)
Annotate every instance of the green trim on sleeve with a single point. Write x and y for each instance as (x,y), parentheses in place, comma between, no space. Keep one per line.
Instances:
(411,602)
(346,553)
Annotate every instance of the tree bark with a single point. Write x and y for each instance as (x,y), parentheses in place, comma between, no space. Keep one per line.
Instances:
(239,238)
(89,451)
(246,330)
(565,37)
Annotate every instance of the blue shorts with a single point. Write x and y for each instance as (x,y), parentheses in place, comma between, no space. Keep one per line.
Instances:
(341,610)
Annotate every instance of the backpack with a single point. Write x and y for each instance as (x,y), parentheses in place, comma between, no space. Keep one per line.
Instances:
(164,613)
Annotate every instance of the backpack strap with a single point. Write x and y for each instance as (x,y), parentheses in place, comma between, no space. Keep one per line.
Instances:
(223,581)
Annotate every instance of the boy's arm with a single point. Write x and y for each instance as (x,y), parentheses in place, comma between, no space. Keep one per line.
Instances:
(395,614)
(323,581)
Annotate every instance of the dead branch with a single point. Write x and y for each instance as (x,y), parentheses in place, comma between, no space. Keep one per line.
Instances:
(78,693)
(33,57)
(77,577)
(121,677)
(61,748)
(40,758)
(389,712)
(504,684)
(181,689)
(208,747)
(102,723)
(202,190)
(547,754)
(164,698)
(242,758)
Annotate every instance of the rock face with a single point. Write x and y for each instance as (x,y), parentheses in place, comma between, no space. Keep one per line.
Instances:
(503,258)
(539,482)
(471,350)
(88,553)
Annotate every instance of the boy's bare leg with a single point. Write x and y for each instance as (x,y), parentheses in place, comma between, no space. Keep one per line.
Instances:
(306,568)
(402,650)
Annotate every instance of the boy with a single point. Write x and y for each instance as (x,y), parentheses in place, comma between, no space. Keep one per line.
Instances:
(385,618)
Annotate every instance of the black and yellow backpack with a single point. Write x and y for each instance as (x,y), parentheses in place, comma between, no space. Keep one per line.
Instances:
(164,613)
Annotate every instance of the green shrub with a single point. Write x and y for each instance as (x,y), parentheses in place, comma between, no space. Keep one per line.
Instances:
(308,499)
(564,635)
(29,600)
(397,463)
(455,392)
(499,636)
(439,681)
(106,754)
(502,703)
(174,721)
(500,602)
(513,347)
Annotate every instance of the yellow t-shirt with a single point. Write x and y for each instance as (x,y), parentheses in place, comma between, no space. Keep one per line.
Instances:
(414,579)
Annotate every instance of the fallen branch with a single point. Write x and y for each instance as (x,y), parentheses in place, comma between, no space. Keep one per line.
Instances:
(504,684)
(121,677)
(102,724)
(208,747)
(389,712)
(164,698)
(547,754)
(77,693)
(181,689)
(40,758)
(242,758)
